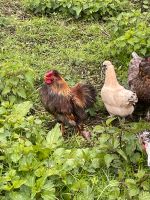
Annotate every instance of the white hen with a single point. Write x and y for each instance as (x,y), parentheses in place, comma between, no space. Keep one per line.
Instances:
(117,100)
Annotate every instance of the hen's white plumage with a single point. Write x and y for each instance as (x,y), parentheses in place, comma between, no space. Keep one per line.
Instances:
(117,100)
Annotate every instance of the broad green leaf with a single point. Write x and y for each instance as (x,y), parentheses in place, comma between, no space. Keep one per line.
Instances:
(2,110)
(145,185)
(77,10)
(114,191)
(95,163)
(110,120)
(144,196)
(79,185)
(30,180)
(104,138)
(40,182)
(22,93)
(38,186)
(133,191)
(12,99)
(40,171)
(22,109)
(114,183)
(18,183)
(108,159)
(99,129)
(7,187)
(11,174)
(140,174)
(52,171)
(18,196)
(54,137)
(130,182)
(69,164)
(6,90)
(49,186)
(15,157)
(122,154)
(29,77)
(48,195)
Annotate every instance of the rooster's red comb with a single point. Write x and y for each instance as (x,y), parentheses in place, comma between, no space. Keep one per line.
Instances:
(52,72)
(49,73)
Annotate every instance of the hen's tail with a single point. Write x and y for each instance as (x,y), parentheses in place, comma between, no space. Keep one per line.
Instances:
(84,95)
(133,99)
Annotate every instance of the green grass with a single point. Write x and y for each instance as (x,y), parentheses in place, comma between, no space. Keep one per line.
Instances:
(80,170)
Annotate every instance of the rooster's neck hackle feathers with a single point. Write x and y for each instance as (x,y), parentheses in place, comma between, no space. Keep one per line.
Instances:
(60,87)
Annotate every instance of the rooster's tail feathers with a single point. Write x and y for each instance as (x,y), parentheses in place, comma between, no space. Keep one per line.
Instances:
(84,95)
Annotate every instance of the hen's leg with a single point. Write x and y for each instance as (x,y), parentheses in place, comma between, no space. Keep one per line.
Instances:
(121,121)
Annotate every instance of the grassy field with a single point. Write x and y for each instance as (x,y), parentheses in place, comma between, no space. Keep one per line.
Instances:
(35,162)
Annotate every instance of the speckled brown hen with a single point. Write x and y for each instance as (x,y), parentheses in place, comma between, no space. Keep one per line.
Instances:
(133,67)
(67,104)
(139,81)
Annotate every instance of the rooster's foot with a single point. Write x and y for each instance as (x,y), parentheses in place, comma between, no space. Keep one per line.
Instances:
(86,135)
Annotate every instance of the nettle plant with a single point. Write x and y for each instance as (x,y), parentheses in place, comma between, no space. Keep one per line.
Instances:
(16,82)
(77,7)
(131,33)
(37,166)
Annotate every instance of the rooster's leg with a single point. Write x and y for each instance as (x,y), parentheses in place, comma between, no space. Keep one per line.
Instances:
(82,132)
(62,128)
(79,129)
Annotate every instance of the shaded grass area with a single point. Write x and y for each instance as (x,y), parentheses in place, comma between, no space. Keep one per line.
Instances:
(75,47)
